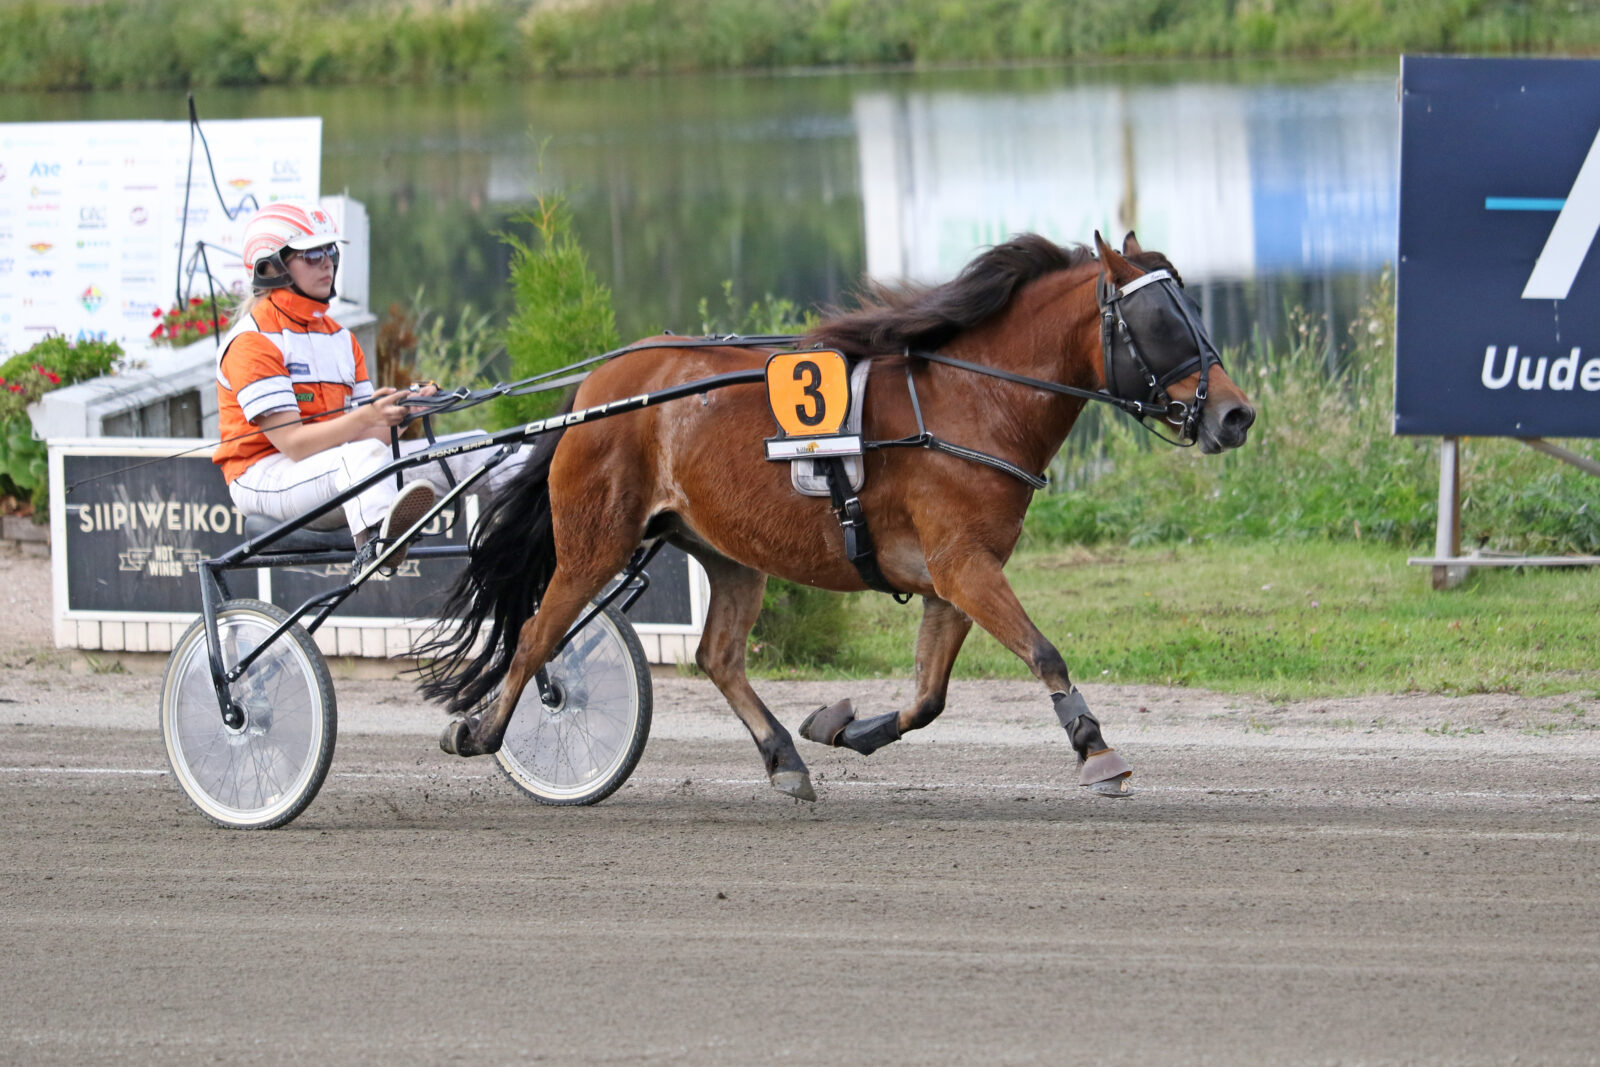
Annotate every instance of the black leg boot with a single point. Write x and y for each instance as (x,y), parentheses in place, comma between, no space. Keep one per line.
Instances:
(1097,763)
(866,736)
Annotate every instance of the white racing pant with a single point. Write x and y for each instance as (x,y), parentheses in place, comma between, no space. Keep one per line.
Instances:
(282,489)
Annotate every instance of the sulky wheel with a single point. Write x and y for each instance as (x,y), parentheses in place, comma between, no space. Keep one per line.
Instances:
(263,773)
(575,739)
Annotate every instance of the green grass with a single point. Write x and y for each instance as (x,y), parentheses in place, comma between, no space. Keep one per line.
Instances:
(1311,619)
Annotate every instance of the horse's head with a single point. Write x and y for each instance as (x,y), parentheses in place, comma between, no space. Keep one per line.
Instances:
(1157,352)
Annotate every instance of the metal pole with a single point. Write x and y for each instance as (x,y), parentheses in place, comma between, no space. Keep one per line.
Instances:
(1447,539)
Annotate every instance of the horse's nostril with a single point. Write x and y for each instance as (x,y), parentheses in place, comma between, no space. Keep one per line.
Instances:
(1239,419)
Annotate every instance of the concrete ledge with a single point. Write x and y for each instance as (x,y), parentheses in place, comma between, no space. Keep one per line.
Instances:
(25,530)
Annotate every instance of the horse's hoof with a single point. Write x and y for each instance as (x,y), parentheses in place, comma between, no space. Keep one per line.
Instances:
(826,724)
(1102,766)
(457,738)
(1116,789)
(796,784)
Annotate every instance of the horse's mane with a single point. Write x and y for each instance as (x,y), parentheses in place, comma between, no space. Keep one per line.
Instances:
(891,318)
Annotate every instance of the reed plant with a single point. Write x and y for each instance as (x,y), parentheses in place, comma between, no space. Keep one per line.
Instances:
(69,44)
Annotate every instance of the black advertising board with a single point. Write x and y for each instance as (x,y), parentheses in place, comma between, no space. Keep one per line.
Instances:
(135,523)
(136,530)
(1498,290)
(416,590)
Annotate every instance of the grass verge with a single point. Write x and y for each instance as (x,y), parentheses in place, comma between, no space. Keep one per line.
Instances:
(1284,621)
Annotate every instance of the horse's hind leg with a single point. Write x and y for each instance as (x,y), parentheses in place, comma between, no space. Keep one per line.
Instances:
(570,591)
(944,627)
(978,586)
(735,602)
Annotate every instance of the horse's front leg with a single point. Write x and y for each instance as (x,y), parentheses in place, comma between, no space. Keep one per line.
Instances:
(978,586)
(944,627)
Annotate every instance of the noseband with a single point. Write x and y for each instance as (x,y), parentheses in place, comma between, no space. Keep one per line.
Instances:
(1129,375)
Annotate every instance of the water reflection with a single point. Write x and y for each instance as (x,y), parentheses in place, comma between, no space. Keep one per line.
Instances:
(1268,186)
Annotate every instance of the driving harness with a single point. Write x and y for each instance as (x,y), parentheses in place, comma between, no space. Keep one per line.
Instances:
(1136,383)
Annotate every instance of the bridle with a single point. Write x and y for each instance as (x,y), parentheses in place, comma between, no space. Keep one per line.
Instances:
(1132,382)
(1127,370)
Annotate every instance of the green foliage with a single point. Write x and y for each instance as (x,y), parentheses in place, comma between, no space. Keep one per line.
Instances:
(769,315)
(415,343)
(171,43)
(68,44)
(799,627)
(24,378)
(563,314)
(1322,463)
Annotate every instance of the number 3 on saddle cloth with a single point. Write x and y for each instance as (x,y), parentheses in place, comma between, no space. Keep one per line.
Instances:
(817,399)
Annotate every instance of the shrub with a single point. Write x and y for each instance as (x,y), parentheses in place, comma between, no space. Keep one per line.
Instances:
(563,314)
(50,364)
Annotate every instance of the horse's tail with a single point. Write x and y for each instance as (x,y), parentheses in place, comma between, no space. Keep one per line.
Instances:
(511,562)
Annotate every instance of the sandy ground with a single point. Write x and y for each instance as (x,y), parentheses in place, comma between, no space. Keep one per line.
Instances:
(1396,880)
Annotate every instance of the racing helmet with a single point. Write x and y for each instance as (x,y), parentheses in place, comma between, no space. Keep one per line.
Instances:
(292,224)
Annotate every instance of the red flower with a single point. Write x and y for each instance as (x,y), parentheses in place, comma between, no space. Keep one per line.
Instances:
(15,388)
(195,301)
(156,313)
(156,332)
(202,326)
(172,331)
(55,379)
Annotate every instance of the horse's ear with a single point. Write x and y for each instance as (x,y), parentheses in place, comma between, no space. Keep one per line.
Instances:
(1130,245)
(1119,269)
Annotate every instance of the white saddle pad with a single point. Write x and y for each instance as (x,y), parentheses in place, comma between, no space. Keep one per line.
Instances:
(807,475)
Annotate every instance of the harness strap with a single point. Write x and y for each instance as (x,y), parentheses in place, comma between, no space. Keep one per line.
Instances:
(1033,481)
(427,430)
(858,546)
(923,439)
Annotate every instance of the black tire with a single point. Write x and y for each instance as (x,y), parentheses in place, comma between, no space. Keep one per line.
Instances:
(262,775)
(583,747)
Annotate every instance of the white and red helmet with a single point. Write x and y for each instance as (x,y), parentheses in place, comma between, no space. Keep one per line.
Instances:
(293,224)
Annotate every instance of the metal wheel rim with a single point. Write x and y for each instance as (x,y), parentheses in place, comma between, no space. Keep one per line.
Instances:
(253,775)
(568,751)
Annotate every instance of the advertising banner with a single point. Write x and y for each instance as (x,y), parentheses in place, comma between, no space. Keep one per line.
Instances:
(1498,292)
(92,215)
(135,519)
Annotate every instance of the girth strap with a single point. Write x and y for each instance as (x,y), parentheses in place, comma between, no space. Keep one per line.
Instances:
(858,548)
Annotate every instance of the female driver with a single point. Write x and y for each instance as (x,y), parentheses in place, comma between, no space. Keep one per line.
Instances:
(289,371)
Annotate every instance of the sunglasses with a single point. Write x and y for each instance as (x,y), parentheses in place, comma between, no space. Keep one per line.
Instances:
(315,256)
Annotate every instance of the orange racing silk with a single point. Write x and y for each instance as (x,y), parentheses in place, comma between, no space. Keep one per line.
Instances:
(287,353)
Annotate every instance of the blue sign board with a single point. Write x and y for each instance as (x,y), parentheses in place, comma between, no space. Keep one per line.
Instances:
(1499,276)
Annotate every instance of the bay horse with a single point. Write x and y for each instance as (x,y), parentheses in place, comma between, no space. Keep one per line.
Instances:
(997,362)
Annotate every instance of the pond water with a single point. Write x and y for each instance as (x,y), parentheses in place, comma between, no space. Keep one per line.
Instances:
(1269,185)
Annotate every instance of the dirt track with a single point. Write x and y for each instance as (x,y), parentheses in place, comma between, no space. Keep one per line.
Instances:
(1338,882)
